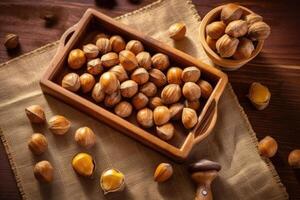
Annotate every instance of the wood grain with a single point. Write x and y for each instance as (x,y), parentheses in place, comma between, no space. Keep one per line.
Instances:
(277,66)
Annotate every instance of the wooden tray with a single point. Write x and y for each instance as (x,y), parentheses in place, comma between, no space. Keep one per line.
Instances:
(82,32)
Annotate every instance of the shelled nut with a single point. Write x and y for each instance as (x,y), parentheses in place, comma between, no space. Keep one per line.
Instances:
(135,46)
(195,105)
(109,82)
(171,94)
(160,61)
(163,172)
(112,99)
(112,180)
(83,164)
(128,60)
(259,31)
(35,114)
(191,74)
(110,59)
(123,109)
(176,111)
(11,41)
(98,93)
(161,115)
(191,91)
(226,46)
(231,12)
(85,137)
(259,95)
(166,131)
(129,88)
(244,49)
(43,171)
(149,89)
(117,43)
(139,101)
(177,31)
(189,118)
(268,146)
(206,88)
(294,158)
(103,45)
(59,125)
(145,117)
(38,143)
(157,77)
(120,72)
(215,29)
(154,102)
(140,76)
(144,60)
(87,82)
(94,66)
(90,50)
(252,18)
(76,59)
(174,75)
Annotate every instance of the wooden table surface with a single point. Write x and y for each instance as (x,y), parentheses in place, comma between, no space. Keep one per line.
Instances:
(277,66)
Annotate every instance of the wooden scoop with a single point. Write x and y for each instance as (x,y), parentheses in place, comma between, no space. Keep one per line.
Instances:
(203,173)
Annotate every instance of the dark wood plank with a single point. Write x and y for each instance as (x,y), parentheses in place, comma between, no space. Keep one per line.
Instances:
(278,66)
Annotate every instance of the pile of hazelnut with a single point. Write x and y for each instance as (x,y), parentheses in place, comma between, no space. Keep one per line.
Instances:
(236,33)
(131,78)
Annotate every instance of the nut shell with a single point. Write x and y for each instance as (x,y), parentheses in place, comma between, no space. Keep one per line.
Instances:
(98,93)
(94,66)
(11,41)
(215,29)
(87,82)
(268,147)
(76,59)
(195,105)
(109,82)
(43,171)
(252,18)
(90,50)
(117,43)
(144,60)
(145,117)
(244,49)
(189,118)
(129,88)
(191,74)
(171,94)
(112,99)
(177,31)
(211,43)
(85,137)
(161,115)
(110,59)
(259,31)
(149,89)
(206,88)
(166,131)
(160,61)
(71,82)
(135,46)
(231,12)
(237,28)
(163,172)
(35,114)
(176,111)
(120,72)
(191,91)
(38,143)
(294,158)
(154,102)
(140,76)
(226,46)
(103,45)
(59,125)
(123,109)
(174,75)
(139,101)
(157,77)
(128,60)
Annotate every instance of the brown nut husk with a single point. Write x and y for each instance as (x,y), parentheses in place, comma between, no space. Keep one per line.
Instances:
(128,60)
(123,109)
(83,164)
(129,88)
(109,82)
(139,101)
(161,115)
(71,82)
(144,60)
(259,31)
(85,137)
(59,125)
(244,49)
(267,147)
(237,28)
(176,111)
(98,93)
(140,76)
(154,102)
(294,158)
(94,66)
(43,171)
(110,59)
(149,89)
(163,172)
(174,75)
(112,99)
(195,105)
(252,18)
(189,118)
(90,50)
(76,59)
(157,77)
(112,180)
(120,72)
(160,61)
(259,95)
(211,43)
(191,91)
(11,41)
(145,117)
(177,31)
(206,88)
(135,46)
(38,143)
(171,94)
(166,131)
(35,114)
(231,12)
(215,29)
(87,82)
(117,43)
(226,46)
(191,74)
(104,45)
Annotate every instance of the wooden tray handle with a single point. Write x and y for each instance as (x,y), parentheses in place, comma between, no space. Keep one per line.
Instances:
(65,38)
(203,193)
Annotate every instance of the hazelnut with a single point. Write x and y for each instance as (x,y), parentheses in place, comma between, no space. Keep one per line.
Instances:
(59,125)
(149,89)
(76,59)
(128,60)
(112,99)
(166,131)
(177,31)
(174,75)
(176,111)
(120,72)
(189,118)
(110,59)
(206,88)
(109,82)
(35,114)
(94,66)
(135,46)
(140,76)
(237,28)
(98,93)
(215,29)
(87,82)
(38,144)
(191,91)
(117,43)
(163,172)
(171,94)
(161,115)
(112,180)
(268,147)
(195,105)
(160,61)
(129,88)
(139,101)
(145,117)
(157,77)
(103,45)
(144,60)
(90,50)
(154,102)
(11,41)
(252,18)
(211,43)
(100,35)
(226,46)
(259,95)
(71,82)
(83,164)
(85,137)
(123,109)
(43,171)
(244,49)
(259,31)
(191,74)
(231,12)
(294,158)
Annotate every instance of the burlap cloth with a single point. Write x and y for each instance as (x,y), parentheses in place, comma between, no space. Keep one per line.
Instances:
(245,175)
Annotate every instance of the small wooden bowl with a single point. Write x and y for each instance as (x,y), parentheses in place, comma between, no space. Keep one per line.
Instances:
(225,63)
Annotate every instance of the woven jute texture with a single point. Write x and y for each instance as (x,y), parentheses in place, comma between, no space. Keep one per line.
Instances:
(244,175)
